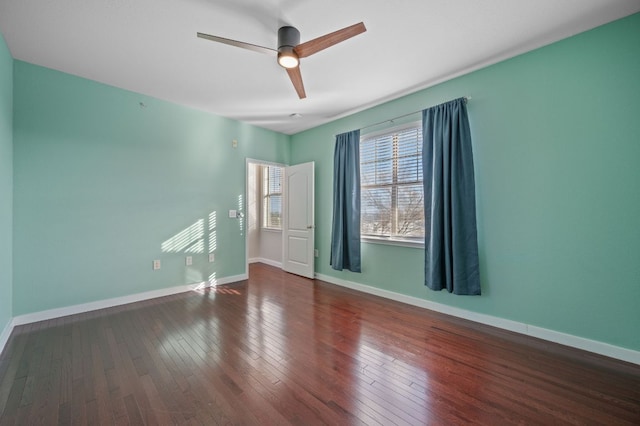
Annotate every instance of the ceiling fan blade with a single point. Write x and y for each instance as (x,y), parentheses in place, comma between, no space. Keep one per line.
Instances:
(310,47)
(296,79)
(237,43)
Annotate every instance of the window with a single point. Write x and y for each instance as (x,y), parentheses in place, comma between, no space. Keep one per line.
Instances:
(392,208)
(272,197)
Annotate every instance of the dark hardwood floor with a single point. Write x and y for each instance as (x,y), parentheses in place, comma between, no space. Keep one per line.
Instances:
(281,349)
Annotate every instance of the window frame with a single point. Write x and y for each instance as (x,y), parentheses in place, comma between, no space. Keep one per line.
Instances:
(266,195)
(413,242)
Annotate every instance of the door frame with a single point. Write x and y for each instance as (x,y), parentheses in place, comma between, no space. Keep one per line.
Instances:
(248,162)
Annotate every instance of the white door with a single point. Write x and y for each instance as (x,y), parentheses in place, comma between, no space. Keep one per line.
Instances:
(298,222)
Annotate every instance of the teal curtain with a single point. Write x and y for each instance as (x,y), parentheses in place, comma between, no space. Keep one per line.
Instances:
(451,243)
(345,232)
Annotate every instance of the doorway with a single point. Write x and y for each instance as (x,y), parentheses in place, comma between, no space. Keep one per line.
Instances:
(264,231)
(280,216)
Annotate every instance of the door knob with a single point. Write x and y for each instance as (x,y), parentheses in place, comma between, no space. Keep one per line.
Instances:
(310,227)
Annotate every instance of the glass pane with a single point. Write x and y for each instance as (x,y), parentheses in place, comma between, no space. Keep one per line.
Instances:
(272,186)
(410,211)
(384,172)
(367,150)
(274,215)
(368,174)
(384,148)
(275,179)
(375,208)
(408,169)
(410,142)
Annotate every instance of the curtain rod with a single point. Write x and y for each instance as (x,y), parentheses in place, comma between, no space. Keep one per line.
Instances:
(391,120)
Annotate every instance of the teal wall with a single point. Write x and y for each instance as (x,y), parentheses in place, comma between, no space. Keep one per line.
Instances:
(556,138)
(6,183)
(101,182)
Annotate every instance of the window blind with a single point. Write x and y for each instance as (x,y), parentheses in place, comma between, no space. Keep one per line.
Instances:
(272,190)
(391,184)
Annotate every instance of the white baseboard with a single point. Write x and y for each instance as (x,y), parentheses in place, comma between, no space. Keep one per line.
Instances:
(117,301)
(589,345)
(266,261)
(232,279)
(4,336)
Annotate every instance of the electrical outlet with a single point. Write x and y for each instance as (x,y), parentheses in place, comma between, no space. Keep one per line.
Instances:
(316,253)
(188,260)
(212,257)
(156,265)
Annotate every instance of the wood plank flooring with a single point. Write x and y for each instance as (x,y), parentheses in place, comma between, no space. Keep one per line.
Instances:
(281,349)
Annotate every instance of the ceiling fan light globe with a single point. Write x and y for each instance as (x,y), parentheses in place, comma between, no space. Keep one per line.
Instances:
(287,57)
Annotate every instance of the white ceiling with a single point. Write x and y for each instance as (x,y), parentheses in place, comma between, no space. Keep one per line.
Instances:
(150,47)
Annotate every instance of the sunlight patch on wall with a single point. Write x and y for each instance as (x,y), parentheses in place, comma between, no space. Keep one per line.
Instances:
(191,239)
(213,241)
(213,237)
(198,247)
(213,220)
(213,281)
(198,238)
(186,240)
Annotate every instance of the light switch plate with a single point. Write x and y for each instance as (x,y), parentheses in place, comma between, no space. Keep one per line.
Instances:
(233,213)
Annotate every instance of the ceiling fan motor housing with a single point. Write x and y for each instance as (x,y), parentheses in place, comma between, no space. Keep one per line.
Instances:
(288,39)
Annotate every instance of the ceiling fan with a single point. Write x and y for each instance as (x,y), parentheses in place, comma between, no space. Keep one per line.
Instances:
(290,50)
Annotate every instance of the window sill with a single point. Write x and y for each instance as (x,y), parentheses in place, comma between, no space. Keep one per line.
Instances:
(390,242)
(278,230)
